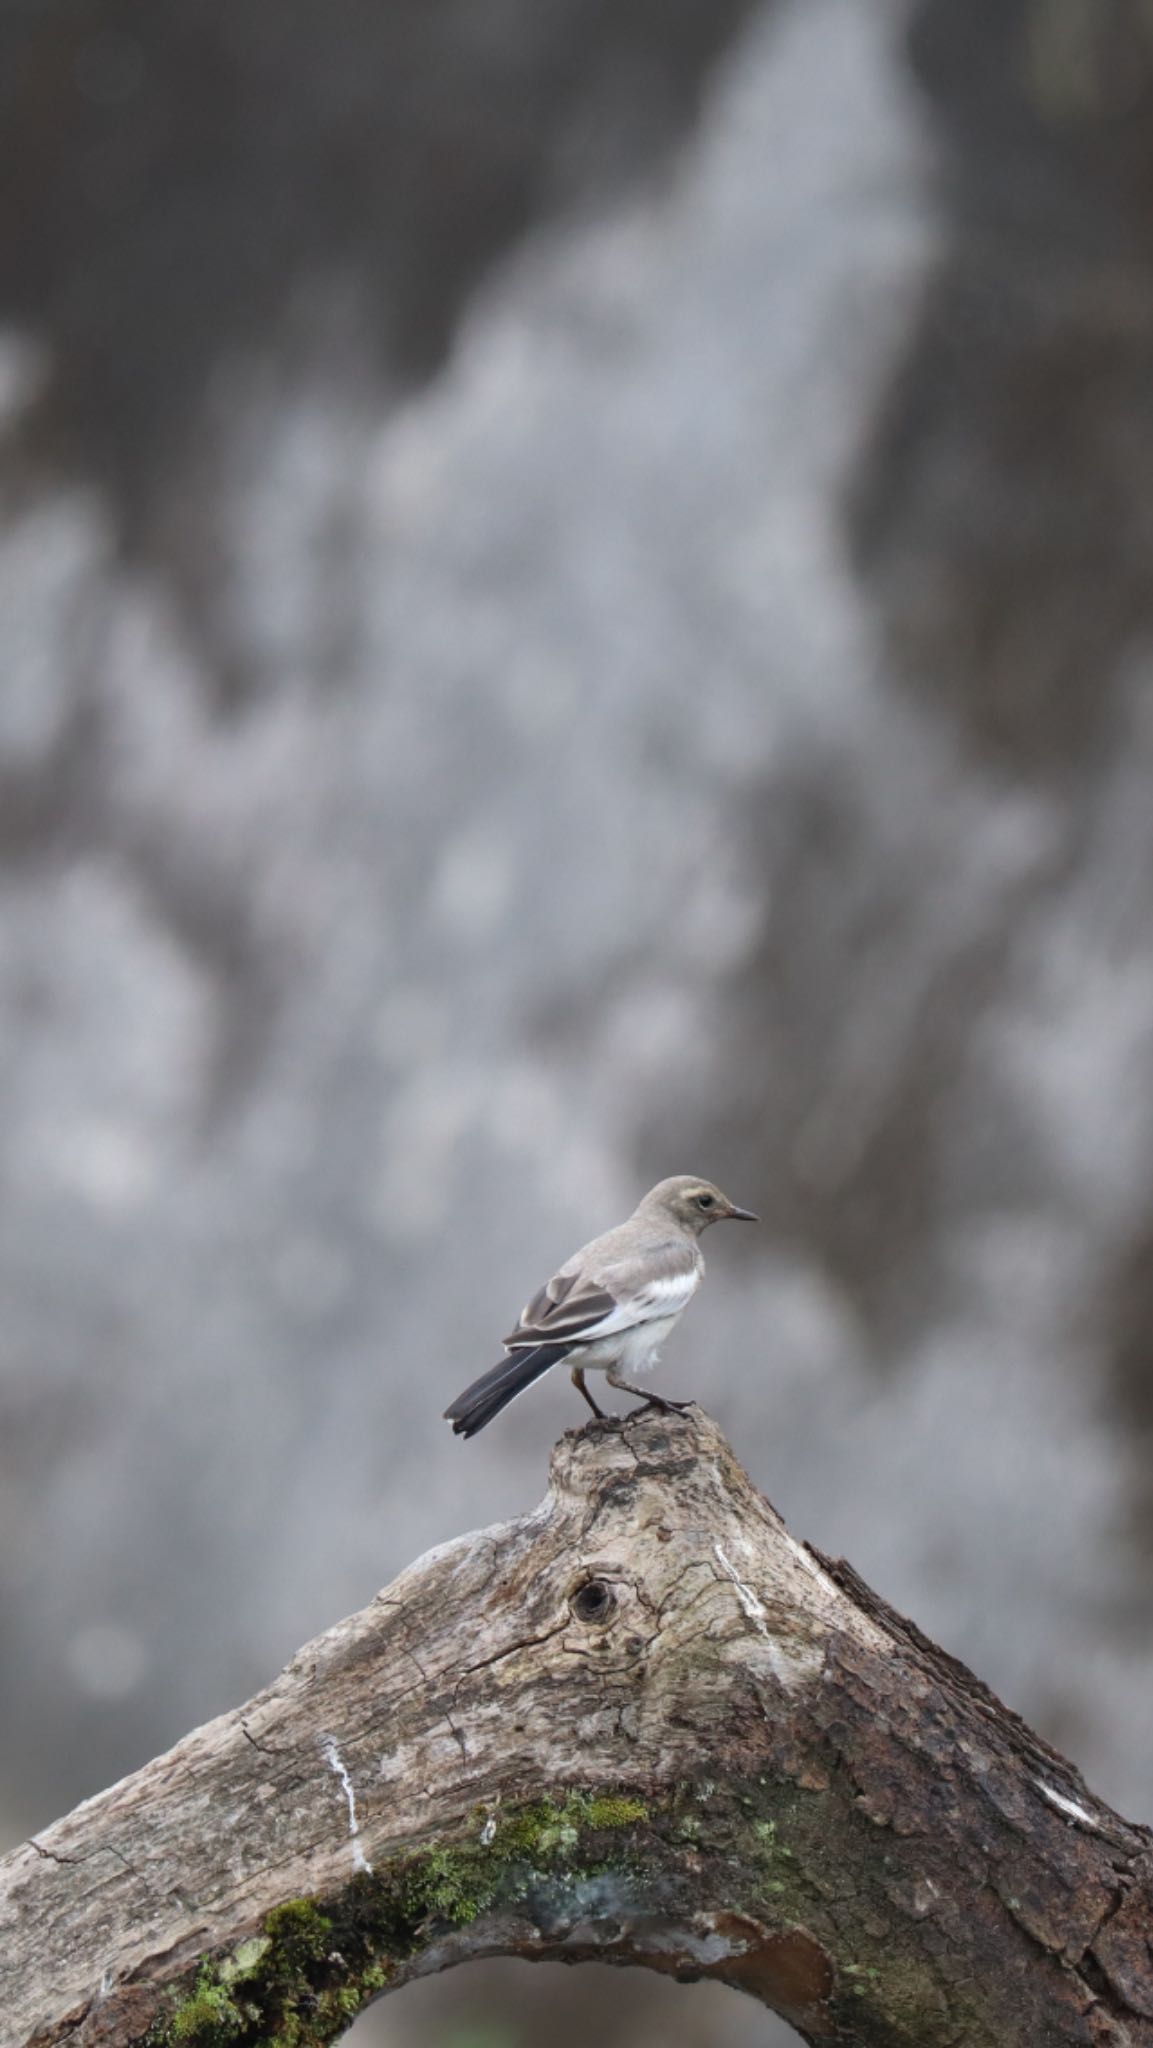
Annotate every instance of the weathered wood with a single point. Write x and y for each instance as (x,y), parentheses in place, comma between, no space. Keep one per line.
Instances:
(643,1724)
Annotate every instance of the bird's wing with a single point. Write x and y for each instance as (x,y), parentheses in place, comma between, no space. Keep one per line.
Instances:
(601,1296)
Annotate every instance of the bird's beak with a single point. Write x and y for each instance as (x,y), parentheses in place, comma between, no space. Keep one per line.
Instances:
(742,1215)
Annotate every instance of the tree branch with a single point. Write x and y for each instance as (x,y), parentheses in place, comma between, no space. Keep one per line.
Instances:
(642,1725)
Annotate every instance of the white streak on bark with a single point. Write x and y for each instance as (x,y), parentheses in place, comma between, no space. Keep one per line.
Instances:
(745,1593)
(336,1765)
(1069,1807)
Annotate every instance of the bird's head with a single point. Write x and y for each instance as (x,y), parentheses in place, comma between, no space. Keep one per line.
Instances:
(693,1204)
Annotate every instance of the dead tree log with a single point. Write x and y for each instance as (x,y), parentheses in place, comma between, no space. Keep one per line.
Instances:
(642,1725)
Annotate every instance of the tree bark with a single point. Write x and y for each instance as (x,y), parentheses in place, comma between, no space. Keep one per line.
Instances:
(641,1725)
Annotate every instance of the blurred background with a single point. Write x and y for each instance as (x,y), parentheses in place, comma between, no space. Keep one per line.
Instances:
(576,603)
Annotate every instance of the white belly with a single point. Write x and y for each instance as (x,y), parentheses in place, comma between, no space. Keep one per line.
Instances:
(631,1351)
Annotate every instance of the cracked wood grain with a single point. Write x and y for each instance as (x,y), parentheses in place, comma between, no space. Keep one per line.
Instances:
(642,1724)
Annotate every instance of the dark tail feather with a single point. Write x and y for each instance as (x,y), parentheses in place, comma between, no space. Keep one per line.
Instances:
(496,1388)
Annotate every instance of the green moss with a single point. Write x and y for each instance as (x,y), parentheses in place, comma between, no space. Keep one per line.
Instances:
(449,1884)
(460,1883)
(317,1963)
(610,1812)
(208,2017)
(299,1933)
(250,1995)
(244,1961)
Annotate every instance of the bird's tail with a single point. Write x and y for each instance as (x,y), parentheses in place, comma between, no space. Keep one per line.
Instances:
(497,1387)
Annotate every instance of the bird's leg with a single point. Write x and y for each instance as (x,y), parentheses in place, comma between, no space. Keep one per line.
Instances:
(660,1401)
(578,1380)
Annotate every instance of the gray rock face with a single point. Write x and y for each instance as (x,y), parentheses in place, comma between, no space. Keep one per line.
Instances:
(535,660)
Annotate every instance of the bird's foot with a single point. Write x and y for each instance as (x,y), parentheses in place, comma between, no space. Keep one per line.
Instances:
(597,1425)
(663,1405)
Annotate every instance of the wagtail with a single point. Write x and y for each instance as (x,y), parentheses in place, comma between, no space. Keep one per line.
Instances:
(611,1305)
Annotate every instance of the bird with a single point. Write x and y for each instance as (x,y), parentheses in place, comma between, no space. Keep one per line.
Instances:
(610,1306)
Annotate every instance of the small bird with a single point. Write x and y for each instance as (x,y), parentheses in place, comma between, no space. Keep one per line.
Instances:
(611,1305)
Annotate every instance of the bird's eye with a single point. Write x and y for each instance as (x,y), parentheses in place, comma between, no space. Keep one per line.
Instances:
(705,1201)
